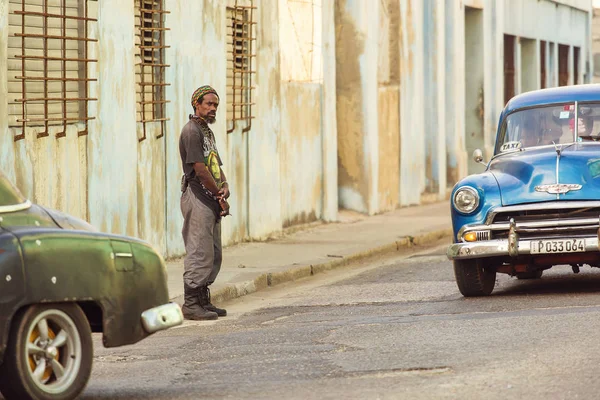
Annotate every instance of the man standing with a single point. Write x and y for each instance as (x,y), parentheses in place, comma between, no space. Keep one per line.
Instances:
(203,204)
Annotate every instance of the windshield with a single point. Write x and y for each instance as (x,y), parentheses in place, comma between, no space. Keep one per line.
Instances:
(549,125)
(9,194)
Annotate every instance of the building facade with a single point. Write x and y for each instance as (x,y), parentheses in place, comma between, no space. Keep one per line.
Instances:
(365,105)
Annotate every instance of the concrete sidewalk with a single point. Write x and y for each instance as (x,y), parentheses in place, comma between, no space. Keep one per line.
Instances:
(249,267)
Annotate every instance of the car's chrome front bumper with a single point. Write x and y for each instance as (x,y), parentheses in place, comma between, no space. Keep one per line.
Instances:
(494,248)
(162,317)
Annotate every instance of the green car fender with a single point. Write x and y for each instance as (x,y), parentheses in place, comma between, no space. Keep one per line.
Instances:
(122,275)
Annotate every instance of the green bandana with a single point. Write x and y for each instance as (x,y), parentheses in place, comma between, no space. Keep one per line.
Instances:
(201,91)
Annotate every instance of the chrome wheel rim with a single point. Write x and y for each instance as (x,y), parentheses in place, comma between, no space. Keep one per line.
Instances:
(53,351)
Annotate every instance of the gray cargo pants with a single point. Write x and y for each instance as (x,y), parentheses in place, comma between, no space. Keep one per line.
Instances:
(202,239)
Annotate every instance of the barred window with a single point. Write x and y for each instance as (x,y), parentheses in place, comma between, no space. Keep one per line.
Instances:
(150,64)
(240,72)
(48,65)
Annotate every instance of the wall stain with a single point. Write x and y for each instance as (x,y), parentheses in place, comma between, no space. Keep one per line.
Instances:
(301,218)
(389,148)
(350,117)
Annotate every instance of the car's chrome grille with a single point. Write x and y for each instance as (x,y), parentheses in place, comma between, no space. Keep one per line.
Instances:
(483,235)
(548,222)
(547,214)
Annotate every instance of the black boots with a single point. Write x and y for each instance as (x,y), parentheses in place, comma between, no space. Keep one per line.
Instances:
(197,305)
(205,302)
(192,307)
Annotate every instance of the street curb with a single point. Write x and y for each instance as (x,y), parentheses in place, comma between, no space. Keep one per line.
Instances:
(234,290)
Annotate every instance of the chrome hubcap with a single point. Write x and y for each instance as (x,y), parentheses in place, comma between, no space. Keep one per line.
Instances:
(53,351)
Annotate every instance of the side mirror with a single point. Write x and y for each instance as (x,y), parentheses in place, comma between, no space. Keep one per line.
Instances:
(478,157)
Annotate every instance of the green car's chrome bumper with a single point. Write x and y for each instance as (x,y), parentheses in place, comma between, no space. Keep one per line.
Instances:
(162,317)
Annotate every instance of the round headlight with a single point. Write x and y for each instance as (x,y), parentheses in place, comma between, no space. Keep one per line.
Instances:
(466,200)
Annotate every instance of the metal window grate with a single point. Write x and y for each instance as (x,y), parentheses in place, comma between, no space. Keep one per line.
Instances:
(242,34)
(150,68)
(53,81)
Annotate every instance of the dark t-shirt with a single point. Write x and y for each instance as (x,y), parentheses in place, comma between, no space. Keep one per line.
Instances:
(197,144)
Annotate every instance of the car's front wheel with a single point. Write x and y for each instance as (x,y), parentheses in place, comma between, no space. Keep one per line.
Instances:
(473,278)
(49,354)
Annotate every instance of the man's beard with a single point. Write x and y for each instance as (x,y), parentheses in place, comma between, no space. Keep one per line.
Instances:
(210,120)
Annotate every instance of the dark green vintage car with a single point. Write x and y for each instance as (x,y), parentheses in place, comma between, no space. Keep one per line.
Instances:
(61,280)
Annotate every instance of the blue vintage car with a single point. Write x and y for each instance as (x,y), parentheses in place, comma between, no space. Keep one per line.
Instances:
(537,204)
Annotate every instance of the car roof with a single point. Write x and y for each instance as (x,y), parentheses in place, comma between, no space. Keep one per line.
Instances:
(562,94)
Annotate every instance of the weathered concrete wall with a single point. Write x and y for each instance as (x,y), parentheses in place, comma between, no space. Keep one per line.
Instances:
(304,132)
(301,137)
(389,105)
(365,109)
(51,171)
(435,93)
(300,31)
(264,179)
(456,155)
(300,154)
(151,213)
(389,147)
(493,90)
(328,113)
(356,79)
(595,46)
(48,170)
(475,79)
(112,140)
(554,21)
(412,103)
(530,65)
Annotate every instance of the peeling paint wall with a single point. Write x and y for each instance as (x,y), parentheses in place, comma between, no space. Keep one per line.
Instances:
(48,170)
(412,104)
(435,92)
(300,155)
(359,104)
(112,140)
(475,81)
(493,92)
(357,96)
(264,180)
(530,64)
(388,104)
(151,215)
(328,113)
(456,154)
(389,147)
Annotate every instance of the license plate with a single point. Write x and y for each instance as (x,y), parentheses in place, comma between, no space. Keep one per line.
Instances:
(557,246)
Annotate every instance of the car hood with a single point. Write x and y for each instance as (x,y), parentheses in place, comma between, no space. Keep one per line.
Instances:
(523,176)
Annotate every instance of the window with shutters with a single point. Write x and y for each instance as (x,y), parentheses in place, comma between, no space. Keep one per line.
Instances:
(47,65)
(150,64)
(241,36)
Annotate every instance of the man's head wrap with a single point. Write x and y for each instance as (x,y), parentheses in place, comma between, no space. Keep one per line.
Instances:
(201,91)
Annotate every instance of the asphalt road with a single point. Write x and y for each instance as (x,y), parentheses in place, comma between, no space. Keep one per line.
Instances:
(392,329)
